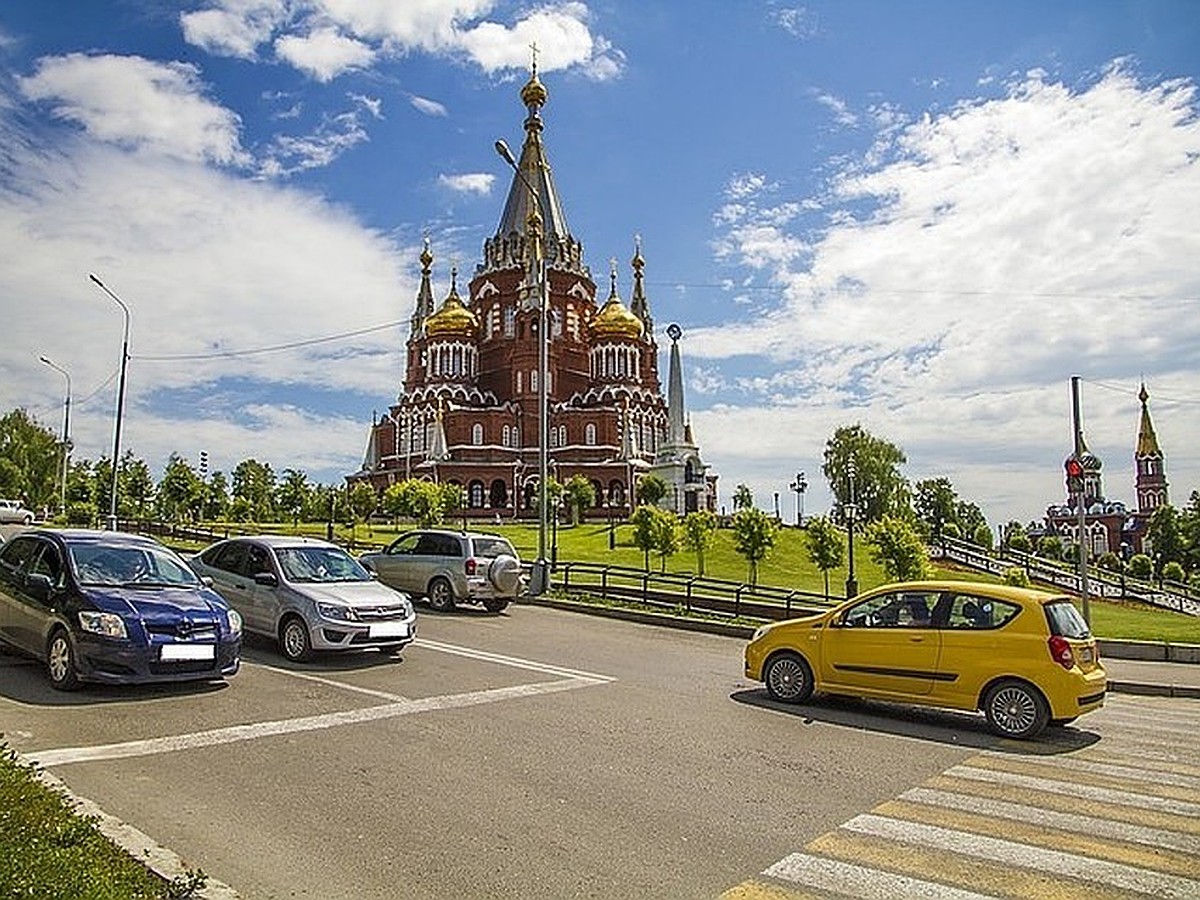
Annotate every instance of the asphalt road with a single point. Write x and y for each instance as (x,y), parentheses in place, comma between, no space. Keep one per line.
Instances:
(538,753)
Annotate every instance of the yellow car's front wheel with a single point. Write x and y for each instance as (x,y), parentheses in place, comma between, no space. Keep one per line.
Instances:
(788,678)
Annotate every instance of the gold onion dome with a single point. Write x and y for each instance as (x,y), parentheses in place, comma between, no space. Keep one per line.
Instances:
(534,93)
(453,317)
(615,319)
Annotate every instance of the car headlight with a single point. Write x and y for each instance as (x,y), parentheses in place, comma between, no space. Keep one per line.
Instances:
(760,631)
(108,624)
(337,611)
(235,622)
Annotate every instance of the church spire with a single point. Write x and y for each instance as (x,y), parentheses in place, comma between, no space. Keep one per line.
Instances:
(1151,479)
(424,308)
(638,304)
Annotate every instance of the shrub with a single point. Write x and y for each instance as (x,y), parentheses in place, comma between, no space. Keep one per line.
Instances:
(1016,576)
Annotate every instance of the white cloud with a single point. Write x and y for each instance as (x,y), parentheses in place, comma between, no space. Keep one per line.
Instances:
(233,27)
(324,53)
(289,154)
(138,103)
(469,183)
(965,268)
(798,21)
(428,107)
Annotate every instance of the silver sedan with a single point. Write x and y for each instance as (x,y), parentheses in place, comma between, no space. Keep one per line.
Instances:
(307,594)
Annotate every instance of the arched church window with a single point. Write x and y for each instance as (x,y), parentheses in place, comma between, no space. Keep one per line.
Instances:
(477,433)
(589,434)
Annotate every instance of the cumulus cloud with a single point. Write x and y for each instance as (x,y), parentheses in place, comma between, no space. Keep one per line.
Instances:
(469,183)
(428,107)
(324,53)
(139,103)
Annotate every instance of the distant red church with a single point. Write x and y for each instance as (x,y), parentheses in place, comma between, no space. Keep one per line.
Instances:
(1109,525)
(468,411)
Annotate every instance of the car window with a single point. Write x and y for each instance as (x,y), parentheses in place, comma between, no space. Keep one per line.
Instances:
(258,559)
(449,545)
(99,562)
(18,553)
(48,563)
(491,547)
(971,612)
(908,609)
(1065,619)
(319,564)
(408,543)
(429,545)
(227,556)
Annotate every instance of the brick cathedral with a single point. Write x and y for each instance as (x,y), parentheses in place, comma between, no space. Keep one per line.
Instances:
(468,408)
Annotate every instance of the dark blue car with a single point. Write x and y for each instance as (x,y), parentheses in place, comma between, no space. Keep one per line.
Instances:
(114,608)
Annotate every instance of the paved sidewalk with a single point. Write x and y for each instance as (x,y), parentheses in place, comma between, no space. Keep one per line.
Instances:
(1163,679)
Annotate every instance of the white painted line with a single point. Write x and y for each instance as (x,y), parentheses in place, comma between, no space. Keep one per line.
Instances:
(1124,772)
(236,733)
(1104,795)
(1055,862)
(330,682)
(857,881)
(514,661)
(1047,818)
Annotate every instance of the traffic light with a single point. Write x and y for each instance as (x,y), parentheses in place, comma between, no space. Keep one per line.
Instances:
(1074,475)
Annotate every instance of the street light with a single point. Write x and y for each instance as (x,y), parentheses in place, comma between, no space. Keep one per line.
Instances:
(66,433)
(538,215)
(112,508)
(850,510)
(799,485)
(612,534)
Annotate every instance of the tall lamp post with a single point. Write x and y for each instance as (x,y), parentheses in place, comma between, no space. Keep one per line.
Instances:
(539,581)
(799,485)
(66,433)
(112,507)
(850,511)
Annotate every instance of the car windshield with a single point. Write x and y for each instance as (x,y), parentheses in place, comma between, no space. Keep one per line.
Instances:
(317,564)
(145,565)
(1065,619)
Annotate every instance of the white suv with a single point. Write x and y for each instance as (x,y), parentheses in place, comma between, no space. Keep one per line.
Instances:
(450,567)
(11,511)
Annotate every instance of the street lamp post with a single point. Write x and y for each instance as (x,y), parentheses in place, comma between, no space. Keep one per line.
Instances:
(850,510)
(612,534)
(112,507)
(539,581)
(66,434)
(799,485)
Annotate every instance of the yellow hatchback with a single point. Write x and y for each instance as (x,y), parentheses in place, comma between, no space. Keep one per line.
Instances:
(1025,657)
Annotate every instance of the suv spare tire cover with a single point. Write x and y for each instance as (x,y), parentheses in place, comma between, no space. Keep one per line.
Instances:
(505,573)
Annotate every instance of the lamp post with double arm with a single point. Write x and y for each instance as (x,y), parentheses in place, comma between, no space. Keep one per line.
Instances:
(112,507)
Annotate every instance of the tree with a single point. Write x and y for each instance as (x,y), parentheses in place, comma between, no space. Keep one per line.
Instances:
(1173,571)
(879,488)
(982,536)
(293,494)
(416,499)
(1050,546)
(753,537)
(1016,538)
(699,529)
(743,498)
(362,500)
(1189,527)
(254,483)
(650,489)
(580,495)
(1164,532)
(642,521)
(136,484)
(181,492)
(1141,567)
(897,547)
(215,503)
(971,521)
(936,504)
(30,460)
(825,546)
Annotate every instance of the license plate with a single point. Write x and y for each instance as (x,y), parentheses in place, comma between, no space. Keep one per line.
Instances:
(389,629)
(178,652)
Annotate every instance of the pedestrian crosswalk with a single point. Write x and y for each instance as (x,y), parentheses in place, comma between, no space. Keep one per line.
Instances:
(1116,818)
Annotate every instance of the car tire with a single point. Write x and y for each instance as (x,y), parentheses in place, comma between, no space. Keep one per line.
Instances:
(495,604)
(505,574)
(788,678)
(441,595)
(1016,709)
(60,662)
(28,520)
(294,642)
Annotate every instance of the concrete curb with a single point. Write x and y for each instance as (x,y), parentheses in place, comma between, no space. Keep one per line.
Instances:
(1153,690)
(164,863)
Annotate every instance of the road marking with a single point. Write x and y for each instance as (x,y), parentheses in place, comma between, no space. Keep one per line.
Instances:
(1056,862)
(513,661)
(237,733)
(859,881)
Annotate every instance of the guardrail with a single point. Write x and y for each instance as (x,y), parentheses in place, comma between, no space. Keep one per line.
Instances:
(691,592)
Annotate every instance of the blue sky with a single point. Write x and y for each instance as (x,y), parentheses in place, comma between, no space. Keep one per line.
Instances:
(921,217)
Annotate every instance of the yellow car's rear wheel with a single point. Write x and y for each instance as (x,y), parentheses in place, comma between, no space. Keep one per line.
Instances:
(1015,709)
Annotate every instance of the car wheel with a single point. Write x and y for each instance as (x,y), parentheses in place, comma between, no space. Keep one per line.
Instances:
(294,642)
(441,595)
(788,678)
(505,574)
(1015,709)
(28,520)
(60,662)
(495,604)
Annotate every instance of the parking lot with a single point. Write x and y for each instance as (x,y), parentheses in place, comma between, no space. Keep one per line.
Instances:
(537,753)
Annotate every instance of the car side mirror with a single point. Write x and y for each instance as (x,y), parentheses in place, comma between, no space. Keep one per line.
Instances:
(266,579)
(207,581)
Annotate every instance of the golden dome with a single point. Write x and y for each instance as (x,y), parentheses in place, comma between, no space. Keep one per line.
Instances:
(534,93)
(452,318)
(614,320)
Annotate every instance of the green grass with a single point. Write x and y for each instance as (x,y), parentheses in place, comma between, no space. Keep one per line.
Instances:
(787,566)
(48,850)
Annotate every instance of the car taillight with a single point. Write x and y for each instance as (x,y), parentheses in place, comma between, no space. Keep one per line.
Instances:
(470,565)
(1060,650)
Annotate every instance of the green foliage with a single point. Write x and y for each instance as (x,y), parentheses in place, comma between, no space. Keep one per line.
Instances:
(743,498)
(699,529)
(254,483)
(650,489)
(426,502)
(1141,566)
(1164,532)
(363,501)
(181,492)
(753,537)
(982,536)
(897,547)
(580,495)
(826,549)
(642,520)
(935,500)
(1050,546)
(1173,571)
(879,487)
(665,531)
(1110,562)
(1016,576)
(293,495)
(1016,538)
(30,460)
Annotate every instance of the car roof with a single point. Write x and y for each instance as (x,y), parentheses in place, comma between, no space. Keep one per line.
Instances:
(987,589)
(94,536)
(282,540)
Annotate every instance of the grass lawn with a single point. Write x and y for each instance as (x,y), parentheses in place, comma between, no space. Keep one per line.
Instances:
(786,566)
